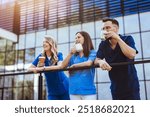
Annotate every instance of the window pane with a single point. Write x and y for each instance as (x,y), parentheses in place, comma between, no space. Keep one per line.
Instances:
(10,46)
(8,81)
(30,40)
(2,59)
(38,51)
(148,89)
(18,80)
(142,90)
(102,76)
(147,71)
(139,68)
(2,45)
(1,82)
(104,92)
(17,93)
(10,58)
(21,56)
(63,35)
(29,55)
(89,28)
(136,38)
(52,33)
(28,93)
(146,44)
(98,26)
(131,23)
(64,51)
(121,26)
(7,94)
(145,21)
(29,80)
(73,30)
(21,42)
(39,38)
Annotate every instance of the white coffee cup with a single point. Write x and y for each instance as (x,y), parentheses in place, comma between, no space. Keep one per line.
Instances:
(78,47)
(102,35)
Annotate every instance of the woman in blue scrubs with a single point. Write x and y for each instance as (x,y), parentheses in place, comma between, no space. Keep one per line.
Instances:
(56,81)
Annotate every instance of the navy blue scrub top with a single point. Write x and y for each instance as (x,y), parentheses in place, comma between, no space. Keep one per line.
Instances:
(123,78)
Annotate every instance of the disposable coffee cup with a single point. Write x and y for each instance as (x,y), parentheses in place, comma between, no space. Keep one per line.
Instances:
(78,47)
(41,59)
(102,35)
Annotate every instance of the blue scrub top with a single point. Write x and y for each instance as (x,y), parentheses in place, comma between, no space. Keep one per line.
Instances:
(56,81)
(81,82)
(123,78)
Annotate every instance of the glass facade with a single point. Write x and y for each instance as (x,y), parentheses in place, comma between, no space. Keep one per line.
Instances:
(62,19)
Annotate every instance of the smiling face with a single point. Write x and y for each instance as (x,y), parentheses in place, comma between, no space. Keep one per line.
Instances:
(79,38)
(46,45)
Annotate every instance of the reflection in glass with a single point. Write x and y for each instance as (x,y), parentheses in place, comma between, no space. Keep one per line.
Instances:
(0,94)
(29,80)
(7,94)
(28,93)
(18,81)
(1,82)
(2,44)
(17,93)
(10,58)
(8,81)
(20,56)
(29,55)
(2,59)
(10,46)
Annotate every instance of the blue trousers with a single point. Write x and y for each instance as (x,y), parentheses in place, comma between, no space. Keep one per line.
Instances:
(64,96)
(127,96)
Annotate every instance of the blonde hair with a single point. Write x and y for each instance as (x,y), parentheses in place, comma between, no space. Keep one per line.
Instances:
(53,49)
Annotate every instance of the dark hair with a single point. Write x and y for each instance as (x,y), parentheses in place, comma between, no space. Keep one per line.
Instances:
(87,45)
(114,21)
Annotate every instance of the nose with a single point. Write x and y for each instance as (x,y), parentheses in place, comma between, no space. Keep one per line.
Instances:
(77,39)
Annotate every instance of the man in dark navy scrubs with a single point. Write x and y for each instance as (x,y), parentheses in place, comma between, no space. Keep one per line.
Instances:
(114,49)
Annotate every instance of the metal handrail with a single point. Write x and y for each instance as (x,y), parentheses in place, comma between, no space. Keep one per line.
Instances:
(75,68)
(68,69)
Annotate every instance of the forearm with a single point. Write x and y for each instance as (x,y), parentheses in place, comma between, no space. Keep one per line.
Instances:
(127,50)
(31,68)
(65,63)
(84,64)
(46,68)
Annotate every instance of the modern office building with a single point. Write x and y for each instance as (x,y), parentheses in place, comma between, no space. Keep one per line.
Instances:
(29,20)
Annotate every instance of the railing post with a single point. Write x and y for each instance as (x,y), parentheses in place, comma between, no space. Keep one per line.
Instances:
(40,86)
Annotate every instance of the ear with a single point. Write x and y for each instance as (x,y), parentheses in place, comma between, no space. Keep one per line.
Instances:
(116,28)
